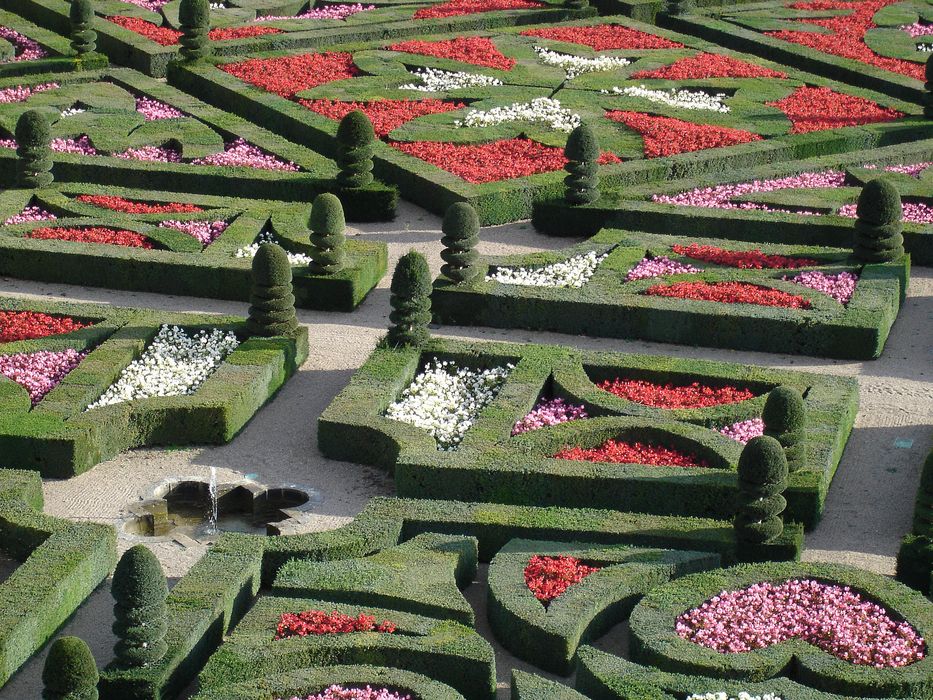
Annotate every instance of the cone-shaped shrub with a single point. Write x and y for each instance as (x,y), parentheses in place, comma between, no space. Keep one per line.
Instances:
(785,418)
(70,672)
(762,480)
(34,150)
(194,20)
(410,300)
(328,235)
(83,36)
(355,143)
(461,235)
(878,227)
(139,590)
(928,95)
(272,304)
(582,153)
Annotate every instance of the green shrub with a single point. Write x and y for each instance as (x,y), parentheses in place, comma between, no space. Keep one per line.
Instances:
(410,300)
(762,480)
(70,672)
(785,418)
(34,139)
(928,95)
(194,17)
(83,36)
(272,304)
(461,234)
(582,153)
(577,4)
(328,239)
(355,143)
(878,229)
(139,590)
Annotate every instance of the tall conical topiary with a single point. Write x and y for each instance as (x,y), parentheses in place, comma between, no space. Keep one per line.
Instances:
(582,153)
(272,304)
(139,590)
(928,95)
(461,235)
(878,227)
(83,36)
(34,148)
(785,418)
(762,480)
(194,20)
(410,300)
(328,235)
(70,672)
(355,143)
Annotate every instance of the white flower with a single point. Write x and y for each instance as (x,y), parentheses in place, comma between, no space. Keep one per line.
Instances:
(445,400)
(574,272)
(436,80)
(925,48)
(577,65)
(683,99)
(541,110)
(72,112)
(249,251)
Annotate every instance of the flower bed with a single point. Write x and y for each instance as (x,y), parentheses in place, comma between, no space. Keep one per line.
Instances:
(39,372)
(578,65)
(317,622)
(386,115)
(338,12)
(840,286)
(667,136)
(697,100)
(28,214)
(206,232)
(730,293)
(549,577)
(604,37)
(287,75)
(622,452)
(126,206)
(477,51)
(693,395)
(742,259)
(436,80)
(24,48)
(649,267)
(817,108)
(339,692)
(549,412)
(707,65)
(31,325)
(92,234)
(541,110)
(572,273)
(453,8)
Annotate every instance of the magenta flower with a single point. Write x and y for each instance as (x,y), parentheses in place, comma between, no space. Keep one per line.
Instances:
(655,267)
(338,692)
(745,430)
(151,154)
(39,372)
(153,110)
(21,93)
(721,196)
(205,231)
(30,213)
(914,212)
(549,412)
(840,287)
(24,48)
(327,12)
(244,155)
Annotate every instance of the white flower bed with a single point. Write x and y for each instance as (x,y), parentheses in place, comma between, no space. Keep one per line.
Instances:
(445,400)
(574,272)
(577,65)
(437,80)
(174,364)
(725,696)
(249,251)
(682,99)
(541,110)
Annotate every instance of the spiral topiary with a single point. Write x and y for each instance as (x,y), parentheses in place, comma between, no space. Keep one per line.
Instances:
(355,142)
(762,480)
(34,150)
(461,234)
(785,418)
(70,672)
(411,301)
(928,95)
(328,239)
(878,227)
(582,153)
(83,36)
(272,304)
(139,590)
(194,20)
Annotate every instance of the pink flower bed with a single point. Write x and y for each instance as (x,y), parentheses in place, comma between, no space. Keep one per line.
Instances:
(81,146)
(744,430)
(154,110)
(28,214)
(840,287)
(205,231)
(151,5)
(721,196)
(834,618)
(151,154)
(917,29)
(339,692)
(21,93)
(39,372)
(656,267)
(339,12)
(24,48)
(241,154)
(549,412)
(914,212)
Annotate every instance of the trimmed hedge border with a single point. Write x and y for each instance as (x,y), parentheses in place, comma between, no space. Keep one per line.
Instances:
(61,58)
(915,558)
(528,686)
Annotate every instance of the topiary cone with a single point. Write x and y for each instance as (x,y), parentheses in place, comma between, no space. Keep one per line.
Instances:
(582,154)
(34,149)
(355,143)
(328,235)
(194,19)
(139,590)
(70,672)
(272,304)
(785,419)
(762,478)
(461,235)
(410,301)
(878,228)
(83,36)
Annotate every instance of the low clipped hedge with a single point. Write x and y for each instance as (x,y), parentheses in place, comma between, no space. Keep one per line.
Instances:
(61,58)
(915,558)
(528,686)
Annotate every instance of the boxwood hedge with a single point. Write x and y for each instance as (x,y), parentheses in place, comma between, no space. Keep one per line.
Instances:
(915,558)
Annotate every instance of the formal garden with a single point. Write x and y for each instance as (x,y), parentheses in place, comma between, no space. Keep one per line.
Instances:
(466,350)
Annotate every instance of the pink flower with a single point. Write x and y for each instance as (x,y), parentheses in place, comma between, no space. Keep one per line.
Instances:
(154,110)
(549,412)
(326,12)
(24,48)
(205,231)
(152,154)
(30,213)
(840,287)
(39,372)
(745,430)
(244,155)
(914,212)
(655,267)
(21,93)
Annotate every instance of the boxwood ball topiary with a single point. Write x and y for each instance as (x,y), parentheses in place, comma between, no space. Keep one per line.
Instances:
(194,19)
(83,36)
(70,672)
(582,153)
(878,236)
(328,235)
(139,589)
(410,301)
(355,142)
(272,303)
(34,150)
(785,419)
(762,478)
(461,235)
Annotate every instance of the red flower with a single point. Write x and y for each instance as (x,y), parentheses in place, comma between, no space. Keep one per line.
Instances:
(316,622)
(619,452)
(386,115)
(476,50)
(846,35)
(164,36)
(667,136)
(92,234)
(287,75)
(709,65)
(818,108)
(743,259)
(452,8)
(604,37)
(693,395)
(550,577)
(29,325)
(127,206)
(729,293)
(225,33)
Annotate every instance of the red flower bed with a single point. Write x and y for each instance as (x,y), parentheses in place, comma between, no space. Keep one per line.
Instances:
(709,65)
(127,206)
(620,452)
(550,577)
(743,259)
(667,136)
(315,622)
(604,37)
(93,234)
(693,395)
(494,161)
(818,108)
(225,33)
(286,75)
(453,8)
(164,36)
(476,50)
(29,325)
(846,36)
(729,293)
(386,115)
